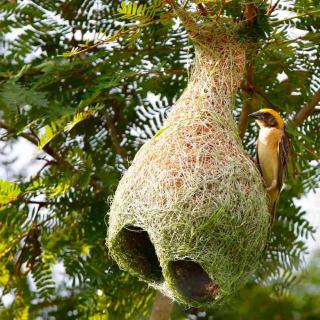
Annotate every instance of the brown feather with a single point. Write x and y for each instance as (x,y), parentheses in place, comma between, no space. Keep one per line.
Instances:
(257,157)
(283,159)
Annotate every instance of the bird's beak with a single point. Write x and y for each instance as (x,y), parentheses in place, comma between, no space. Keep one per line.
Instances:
(255,115)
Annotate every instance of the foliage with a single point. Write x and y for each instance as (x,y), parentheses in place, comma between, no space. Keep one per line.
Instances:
(63,124)
(128,72)
(136,11)
(9,192)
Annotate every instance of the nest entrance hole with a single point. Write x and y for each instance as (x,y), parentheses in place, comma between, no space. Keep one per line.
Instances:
(193,281)
(140,252)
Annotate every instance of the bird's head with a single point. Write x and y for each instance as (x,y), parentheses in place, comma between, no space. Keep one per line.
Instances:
(268,118)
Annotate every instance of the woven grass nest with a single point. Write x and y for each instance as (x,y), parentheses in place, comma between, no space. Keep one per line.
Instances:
(190,215)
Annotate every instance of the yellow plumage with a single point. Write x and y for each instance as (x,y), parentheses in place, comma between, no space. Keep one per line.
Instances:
(276,115)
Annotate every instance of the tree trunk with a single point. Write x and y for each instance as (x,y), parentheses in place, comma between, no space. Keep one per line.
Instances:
(161,308)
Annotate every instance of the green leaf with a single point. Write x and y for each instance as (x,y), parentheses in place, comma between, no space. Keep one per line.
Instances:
(65,124)
(136,11)
(16,95)
(9,191)
(51,131)
(77,118)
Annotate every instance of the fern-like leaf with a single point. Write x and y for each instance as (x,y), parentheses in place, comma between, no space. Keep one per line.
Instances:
(42,277)
(9,192)
(79,117)
(62,125)
(136,11)
(51,131)
(132,10)
(16,95)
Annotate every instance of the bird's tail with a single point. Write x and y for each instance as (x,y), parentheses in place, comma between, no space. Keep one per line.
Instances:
(273,209)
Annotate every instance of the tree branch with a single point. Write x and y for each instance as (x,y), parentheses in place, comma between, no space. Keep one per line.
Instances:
(171,3)
(247,89)
(115,140)
(161,308)
(59,160)
(250,14)
(265,98)
(244,118)
(34,141)
(306,110)
(11,130)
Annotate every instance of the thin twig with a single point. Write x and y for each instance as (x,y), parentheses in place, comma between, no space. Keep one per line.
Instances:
(221,9)
(115,140)
(273,7)
(171,3)
(310,13)
(12,244)
(183,14)
(27,136)
(186,19)
(308,37)
(34,141)
(40,203)
(113,38)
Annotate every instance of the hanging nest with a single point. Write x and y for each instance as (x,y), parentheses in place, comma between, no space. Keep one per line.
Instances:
(190,215)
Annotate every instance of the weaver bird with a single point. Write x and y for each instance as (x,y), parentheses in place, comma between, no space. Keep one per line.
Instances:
(272,153)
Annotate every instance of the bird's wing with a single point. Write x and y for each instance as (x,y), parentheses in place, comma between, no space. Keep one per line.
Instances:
(257,158)
(283,158)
